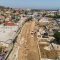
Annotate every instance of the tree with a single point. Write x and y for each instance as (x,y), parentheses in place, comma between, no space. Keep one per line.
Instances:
(44,14)
(26,12)
(55,16)
(57,36)
(0,49)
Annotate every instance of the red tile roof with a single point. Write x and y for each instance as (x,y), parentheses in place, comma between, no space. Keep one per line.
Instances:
(9,23)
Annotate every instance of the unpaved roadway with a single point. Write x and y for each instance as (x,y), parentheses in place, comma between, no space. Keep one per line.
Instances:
(28,46)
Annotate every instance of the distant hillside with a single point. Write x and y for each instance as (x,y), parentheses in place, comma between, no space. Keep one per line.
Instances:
(2,7)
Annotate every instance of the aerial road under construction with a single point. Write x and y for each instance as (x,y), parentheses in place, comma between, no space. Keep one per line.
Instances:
(28,44)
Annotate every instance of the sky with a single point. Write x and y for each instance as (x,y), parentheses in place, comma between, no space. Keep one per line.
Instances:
(39,4)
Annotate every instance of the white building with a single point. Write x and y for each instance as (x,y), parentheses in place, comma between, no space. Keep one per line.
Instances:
(7,34)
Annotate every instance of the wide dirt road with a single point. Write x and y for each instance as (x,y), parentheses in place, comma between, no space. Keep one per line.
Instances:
(28,46)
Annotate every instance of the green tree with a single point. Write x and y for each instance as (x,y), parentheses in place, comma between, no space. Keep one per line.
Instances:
(57,36)
(0,49)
